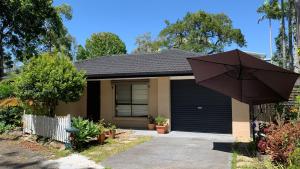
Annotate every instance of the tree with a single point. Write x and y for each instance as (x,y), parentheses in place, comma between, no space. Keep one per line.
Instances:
(201,32)
(270,10)
(284,55)
(101,44)
(81,53)
(57,37)
(48,79)
(145,44)
(24,25)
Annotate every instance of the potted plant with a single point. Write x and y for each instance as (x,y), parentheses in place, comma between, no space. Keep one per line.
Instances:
(161,125)
(151,124)
(112,131)
(101,128)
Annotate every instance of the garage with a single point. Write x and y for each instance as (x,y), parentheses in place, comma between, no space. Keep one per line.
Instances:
(198,109)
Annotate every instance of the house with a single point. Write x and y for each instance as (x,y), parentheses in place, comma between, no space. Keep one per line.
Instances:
(125,89)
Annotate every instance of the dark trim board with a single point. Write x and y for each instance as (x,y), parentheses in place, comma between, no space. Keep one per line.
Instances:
(139,75)
(198,109)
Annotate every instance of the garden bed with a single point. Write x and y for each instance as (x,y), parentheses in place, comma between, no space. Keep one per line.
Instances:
(53,150)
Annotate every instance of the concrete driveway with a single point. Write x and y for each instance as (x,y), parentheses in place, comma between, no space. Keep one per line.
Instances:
(174,153)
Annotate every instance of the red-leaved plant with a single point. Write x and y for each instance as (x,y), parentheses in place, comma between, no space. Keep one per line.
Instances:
(262,146)
(281,141)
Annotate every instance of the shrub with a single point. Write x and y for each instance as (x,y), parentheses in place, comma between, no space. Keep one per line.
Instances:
(282,141)
(151,119)
(48,79)
(160,120)
(295,159)
(4,127)
(11,115)
(262,146)
(6,90)
(86,130)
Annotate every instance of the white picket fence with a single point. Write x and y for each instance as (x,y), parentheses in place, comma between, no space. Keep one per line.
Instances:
(50,127)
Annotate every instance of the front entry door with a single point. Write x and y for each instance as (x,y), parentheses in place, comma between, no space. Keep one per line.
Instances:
(93,100)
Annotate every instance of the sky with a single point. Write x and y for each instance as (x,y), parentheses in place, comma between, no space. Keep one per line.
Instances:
(130,18)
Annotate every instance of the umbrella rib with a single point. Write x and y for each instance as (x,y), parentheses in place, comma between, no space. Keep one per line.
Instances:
(241,81)
(221,74)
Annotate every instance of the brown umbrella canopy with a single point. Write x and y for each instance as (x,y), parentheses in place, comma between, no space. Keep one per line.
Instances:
(243,77)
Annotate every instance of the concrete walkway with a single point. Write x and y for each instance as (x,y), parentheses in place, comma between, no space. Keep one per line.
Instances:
(74,161)
(174,153)
(181,134)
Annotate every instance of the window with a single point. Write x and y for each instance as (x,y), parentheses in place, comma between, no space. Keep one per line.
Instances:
(131,99)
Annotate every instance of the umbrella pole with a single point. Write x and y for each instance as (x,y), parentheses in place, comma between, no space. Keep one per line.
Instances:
(252,121)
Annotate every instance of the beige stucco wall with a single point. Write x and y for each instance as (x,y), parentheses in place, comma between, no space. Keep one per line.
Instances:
(75,109)
(163,98)
(159,104)
(108,106)
(240,120)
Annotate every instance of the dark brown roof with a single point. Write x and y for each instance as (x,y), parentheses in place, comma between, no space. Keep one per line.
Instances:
(167,62)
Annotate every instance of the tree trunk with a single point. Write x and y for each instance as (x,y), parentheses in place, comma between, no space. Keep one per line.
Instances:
(1,60)
(297,7)
(283,35)
(290,35)
(270,29)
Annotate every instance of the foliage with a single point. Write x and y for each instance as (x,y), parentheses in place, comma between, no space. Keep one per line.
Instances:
(269,10)
(160,120)
(6,89)
(11,115)
(57,37)
(262,146)
(282,141)
(101,126)
(295,159)
(145,44)
(4,127)
(25,26)
(109,126)
(201,32)
(81,53)
(48,79)
(283,10)
(278,57)
(151,119)
(86,130)
(101,44)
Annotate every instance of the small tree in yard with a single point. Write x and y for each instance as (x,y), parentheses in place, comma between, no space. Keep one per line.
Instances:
(48,79)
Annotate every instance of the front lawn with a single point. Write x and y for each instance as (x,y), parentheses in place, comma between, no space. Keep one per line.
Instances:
(122,142)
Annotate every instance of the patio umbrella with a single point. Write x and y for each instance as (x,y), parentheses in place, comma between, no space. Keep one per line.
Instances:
(243,77)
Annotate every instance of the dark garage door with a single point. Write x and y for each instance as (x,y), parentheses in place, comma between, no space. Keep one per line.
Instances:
(196,108)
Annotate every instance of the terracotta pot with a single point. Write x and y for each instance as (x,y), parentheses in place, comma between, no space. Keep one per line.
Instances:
(151,126)
(101,138)
(161,129)
(107,133)
(112,133)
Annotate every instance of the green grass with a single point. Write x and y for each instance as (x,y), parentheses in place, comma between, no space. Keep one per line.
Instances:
(60,153)
(111,147)
(234,160)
